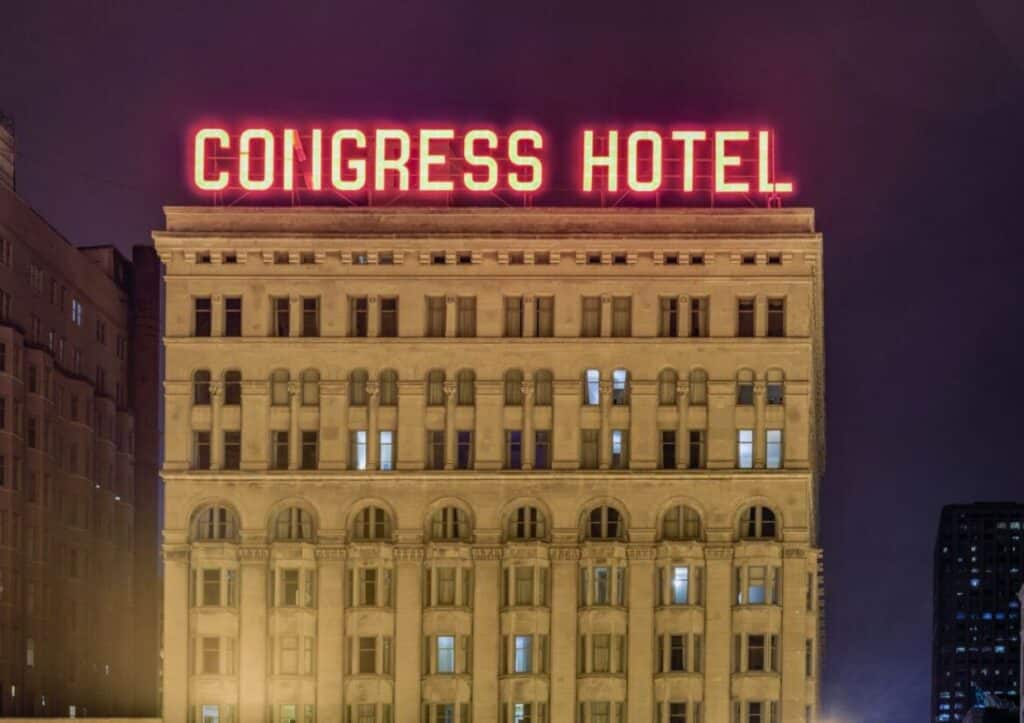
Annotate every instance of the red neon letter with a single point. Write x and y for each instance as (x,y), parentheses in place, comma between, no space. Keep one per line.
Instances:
(356,164)
(515,179)
(428,159)
(316,160)
(590,161)
(245,158)
(382,164)
(689,138)
(468,142)
(763,184)
(632,163)
(723,161)
(199,164)
(288,165)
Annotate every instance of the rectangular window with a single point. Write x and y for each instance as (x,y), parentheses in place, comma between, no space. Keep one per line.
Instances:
(357,451)
(622,316)
(668,319)
(523,654)
(445,654)
(513,316)
(757,585)
(201,452)
(358,315)
(680,585)
(464,449)
(602,586)
(445,585)
(592,387)
(232,449)
(602,653)
(311,316)
(773,448)
(776,317)
(523,586)
(435,449)
(513,449)
(620,449)
(620,387)
(677,653)
(233,316)
(465,325)
(290,588)
(542,449)
(281,310)
(386,455)
(809,658)
(368,586)
(697,456)
(310,446)
(745,317)
(279,450)
(201,316)
(436,314)
(745,448)
(589,448)
(367,655)
(388,316)
(544,311)
(756,659)
(210,588)
(668,449)
(591,316)
(698,316)
(211,656)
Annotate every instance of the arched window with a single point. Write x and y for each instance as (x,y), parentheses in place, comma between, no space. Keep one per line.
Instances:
(775,387)
(744,387)
(543,388)
(465,388)
(214,523)
(293,523)
(758,523)
(605,523)
(311,388)
(388,381)
(357,388)
(526,523)
(449,523)
(698,387)
(435,388)
(201,387)
(681,522)
(279,387)
(232,388)
(667,381)
(513,388)
(371,523)
(620,387)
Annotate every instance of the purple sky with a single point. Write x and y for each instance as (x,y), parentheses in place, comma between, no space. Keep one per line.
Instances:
(902,126)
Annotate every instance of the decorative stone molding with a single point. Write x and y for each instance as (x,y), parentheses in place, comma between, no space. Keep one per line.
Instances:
(605,387)
(450,388)
(330,554)
(253,554)
(408,554)
(487,553)
(449,299)
(216,389)
(796,553)
(682,388)
(718,553)
(294,388)
(365,552)
(179,556)
(605,298)
(641,552)
(372,388)
(526,388)
(564,554)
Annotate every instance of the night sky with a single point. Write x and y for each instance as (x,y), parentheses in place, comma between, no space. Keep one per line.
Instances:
(902,126)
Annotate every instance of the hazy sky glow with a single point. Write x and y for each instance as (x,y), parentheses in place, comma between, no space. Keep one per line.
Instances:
(902,124)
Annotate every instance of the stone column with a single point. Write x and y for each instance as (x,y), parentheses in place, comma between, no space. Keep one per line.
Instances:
(760,439)
(330,633)
(408,631)
(450,310)
(216,427)
(294,315)
(252,608)
(372,433)
(640,675)
(333,425)
(760,315)
(794,633)
(718,632)
(176,634)
(606,314)
(411,437)
(373,316)
(721,430)
(294,436)
(683,319)
(217,315)
(566,432)
(528,446)
(564,577)
(606,436)
(450,391)
(682,428)
(486,631)
(529,316)
(256,429)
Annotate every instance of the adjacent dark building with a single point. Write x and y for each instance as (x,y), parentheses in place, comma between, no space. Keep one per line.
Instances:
(979,556)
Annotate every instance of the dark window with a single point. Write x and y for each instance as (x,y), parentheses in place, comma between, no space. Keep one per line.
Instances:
(280,450)
(201,387)
(311,316)
(464,449)
(358,316)
(513,449)
(233,316)
(232,450)
(668,449)
(309,449)
(389,316)
(542,449)
(776,317)
(668,321)
(745,317)
(435,449)
(232,388)
(698,317)
(282,316)
(202,450)
(202,316)
(697,455)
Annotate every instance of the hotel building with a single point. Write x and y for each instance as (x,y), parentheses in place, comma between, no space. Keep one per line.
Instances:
(78,485)
(493,465)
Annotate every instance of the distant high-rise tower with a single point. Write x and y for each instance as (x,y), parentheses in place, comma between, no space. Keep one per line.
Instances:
(978,560)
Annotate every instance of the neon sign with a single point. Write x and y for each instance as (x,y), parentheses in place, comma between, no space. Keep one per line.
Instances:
(477,160)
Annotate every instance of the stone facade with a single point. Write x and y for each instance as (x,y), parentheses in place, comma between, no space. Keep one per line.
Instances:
(512,465)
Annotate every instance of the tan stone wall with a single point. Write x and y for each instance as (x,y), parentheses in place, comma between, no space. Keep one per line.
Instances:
(195,250)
